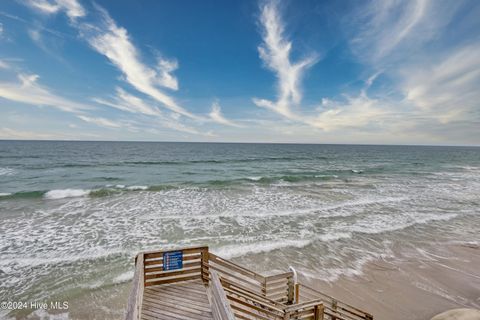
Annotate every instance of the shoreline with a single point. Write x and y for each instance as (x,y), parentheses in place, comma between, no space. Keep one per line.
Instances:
(394,288)
(414,289)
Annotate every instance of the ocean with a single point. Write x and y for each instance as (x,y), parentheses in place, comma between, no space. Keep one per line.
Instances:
(74,214)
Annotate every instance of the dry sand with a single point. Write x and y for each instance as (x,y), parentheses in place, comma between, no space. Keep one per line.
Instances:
(413,289)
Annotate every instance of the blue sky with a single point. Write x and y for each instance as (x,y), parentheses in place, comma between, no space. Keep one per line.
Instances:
(388,72)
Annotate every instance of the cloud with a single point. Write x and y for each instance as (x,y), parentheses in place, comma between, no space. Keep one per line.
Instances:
(72,8)
(28,90)
(275,53)
(446,88)
(8,133)
(355,112)
(127,102)
(4,65)
(217,116)
(130,103)
(114,43)
(386,31)
(102,122)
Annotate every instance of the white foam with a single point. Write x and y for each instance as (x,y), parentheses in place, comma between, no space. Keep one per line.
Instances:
(238,250)
(66,193)
(334,236)
(137,188)
(124,277)
(254,178)
(7,172)
(5,194)
(44,315)
(386,223)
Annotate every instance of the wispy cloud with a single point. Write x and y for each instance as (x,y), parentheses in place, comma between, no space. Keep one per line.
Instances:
(100,121)
(446,88)
(217,116)
(127,102)
(330,115)
(28,90)
(8,133)
(275,53)
(114,43)
(103,34)
(72,8)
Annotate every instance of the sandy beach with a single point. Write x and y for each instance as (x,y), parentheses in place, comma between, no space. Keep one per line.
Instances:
(418,289)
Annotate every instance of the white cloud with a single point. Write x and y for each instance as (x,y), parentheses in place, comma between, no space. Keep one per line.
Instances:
(331,115)
(114,42)
(355,112)
(275,52)
(28,90)
(8,133)
(127,102)
(4,65)
(217,116)
(72,8)
(447,88)
(102,122)
(165,77)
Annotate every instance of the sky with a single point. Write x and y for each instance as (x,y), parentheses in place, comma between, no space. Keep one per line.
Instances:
(367,72)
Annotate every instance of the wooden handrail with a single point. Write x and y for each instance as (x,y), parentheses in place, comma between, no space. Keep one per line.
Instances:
(136,295)
(220,305)
(236,292)
(342,311)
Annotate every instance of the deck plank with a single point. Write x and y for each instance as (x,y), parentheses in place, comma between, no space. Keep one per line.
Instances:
(183,301)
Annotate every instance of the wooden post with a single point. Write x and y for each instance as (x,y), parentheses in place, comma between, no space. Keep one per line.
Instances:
(264,286)
(290,291)
(297,292)
(204,265)
(318,312)
(334,308)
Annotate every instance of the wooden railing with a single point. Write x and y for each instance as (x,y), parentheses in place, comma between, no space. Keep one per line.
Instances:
(334,309)
(136,295)
(194,266)
(280,287)
(230,271)
(236,292)
(220,306)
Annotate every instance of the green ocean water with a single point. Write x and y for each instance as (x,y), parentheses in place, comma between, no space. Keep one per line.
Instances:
(74,214)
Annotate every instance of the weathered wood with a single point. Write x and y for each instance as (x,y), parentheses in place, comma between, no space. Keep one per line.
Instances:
(318,312)
(220,299)
(136,295)
(209,287)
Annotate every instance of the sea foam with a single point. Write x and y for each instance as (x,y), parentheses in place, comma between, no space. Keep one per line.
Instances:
(66,193)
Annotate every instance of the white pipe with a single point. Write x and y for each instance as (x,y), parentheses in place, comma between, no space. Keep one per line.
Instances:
(295,277)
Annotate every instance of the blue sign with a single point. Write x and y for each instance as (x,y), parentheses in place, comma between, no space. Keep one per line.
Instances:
(172,260)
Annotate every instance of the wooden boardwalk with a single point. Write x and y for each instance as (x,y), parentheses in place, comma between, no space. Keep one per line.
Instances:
(195,284)
(186,300)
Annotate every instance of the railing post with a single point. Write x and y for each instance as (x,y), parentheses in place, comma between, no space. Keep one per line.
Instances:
(334,307)
(290,291)
(293,286)
(205,268)
(318,312)
(297,292)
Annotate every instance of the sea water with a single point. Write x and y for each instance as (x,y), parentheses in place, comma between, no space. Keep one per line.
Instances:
(74,214)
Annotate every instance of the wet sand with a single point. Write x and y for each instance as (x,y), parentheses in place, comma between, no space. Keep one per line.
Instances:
(414,289)
(404,287)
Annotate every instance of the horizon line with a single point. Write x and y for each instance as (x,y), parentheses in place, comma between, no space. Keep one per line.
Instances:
(238,142)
